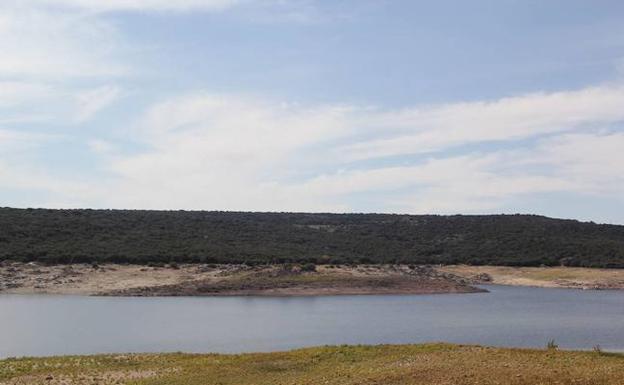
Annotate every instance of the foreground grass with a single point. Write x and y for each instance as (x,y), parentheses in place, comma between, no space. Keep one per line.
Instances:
(387,365)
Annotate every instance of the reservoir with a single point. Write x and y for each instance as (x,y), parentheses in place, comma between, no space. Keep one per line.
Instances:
(506,316)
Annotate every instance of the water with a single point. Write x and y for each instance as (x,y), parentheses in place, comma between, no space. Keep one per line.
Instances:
(507,316)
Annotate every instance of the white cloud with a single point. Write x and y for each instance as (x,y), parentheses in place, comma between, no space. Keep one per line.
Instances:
(594,162)
(10,138)
(246,153)
(40,102)
(90,102)
(14,141)
(44,44)
(32,180)
(101,147)
(14,93)
(51,57)
(421,130)
(229,152)
(439,185)
(589,163)
(51,46)
(220,151)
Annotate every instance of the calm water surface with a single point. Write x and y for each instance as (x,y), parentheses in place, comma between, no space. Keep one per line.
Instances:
(507,316)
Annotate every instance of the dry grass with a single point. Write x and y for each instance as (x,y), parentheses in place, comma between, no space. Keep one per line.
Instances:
(434,364)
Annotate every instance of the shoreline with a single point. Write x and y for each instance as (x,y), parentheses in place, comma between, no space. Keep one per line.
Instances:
(226,280)
(288,280)
(581,278)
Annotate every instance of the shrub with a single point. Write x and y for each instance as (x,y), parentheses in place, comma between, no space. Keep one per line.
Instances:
(140,237)
(308,267)
(552,345)
(156,264)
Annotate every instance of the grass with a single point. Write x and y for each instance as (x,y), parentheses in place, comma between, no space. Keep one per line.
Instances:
(435,364)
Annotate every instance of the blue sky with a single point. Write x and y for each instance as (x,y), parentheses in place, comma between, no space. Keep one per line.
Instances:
(442,107)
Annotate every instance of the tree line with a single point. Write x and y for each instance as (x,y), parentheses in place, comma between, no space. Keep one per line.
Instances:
(135,236)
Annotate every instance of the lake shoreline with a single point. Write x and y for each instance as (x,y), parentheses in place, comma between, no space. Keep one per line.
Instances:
(288,280)
(227,280)
(545,277)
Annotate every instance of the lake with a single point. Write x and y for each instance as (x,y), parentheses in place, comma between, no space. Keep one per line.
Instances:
(507,316)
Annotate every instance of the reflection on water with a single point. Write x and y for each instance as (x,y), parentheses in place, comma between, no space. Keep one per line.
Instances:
(507,316)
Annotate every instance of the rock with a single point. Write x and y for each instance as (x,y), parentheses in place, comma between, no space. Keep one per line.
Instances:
(483,277)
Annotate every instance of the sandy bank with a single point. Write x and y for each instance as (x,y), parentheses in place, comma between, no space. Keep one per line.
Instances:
(222,280)
(562,277)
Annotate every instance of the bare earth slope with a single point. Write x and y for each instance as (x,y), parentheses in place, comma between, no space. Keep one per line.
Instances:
(212,280)
(565,277)
(433,364)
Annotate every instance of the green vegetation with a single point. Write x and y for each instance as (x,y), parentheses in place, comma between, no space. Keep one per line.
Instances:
(432,364)
(308,267)
(66,236)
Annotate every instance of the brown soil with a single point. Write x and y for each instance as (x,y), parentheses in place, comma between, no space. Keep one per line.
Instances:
(223,280)
(563,277)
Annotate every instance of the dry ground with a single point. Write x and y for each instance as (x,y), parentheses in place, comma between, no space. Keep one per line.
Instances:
(137,280)
(84,279)
(433,364)
(568,277)
(210,280)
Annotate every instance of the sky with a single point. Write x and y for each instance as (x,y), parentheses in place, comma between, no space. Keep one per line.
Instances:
(397,106)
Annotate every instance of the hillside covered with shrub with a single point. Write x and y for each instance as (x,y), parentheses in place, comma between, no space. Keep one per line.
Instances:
(126,236)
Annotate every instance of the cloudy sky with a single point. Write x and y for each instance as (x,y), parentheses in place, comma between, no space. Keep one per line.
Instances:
(485,106)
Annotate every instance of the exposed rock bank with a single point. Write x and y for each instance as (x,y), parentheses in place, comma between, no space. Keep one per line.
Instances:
(221,280)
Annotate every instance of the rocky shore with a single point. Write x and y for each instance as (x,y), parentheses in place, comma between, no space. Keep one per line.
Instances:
(222,280)
(555,277)
(284,280)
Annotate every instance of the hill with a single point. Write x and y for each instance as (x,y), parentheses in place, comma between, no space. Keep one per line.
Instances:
(126,236)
